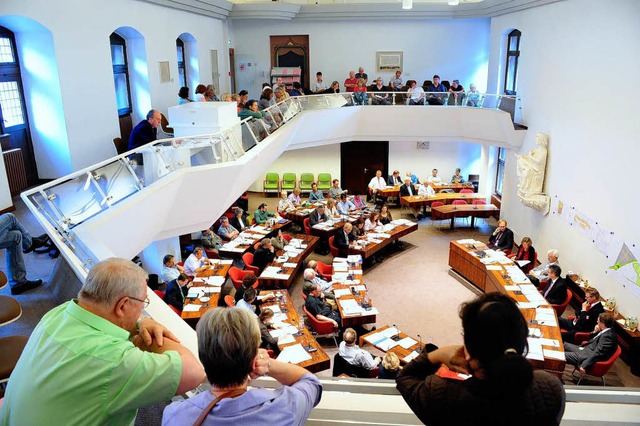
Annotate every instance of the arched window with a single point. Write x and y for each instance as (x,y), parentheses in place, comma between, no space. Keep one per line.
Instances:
(511,68)
(182,70)
(120,74)
(500,170)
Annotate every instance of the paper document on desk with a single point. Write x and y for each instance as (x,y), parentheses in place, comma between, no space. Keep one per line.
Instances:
(339,277)
(286,339)
(407,342)
(354,258)
(522,262)
(549,353)
(290,265)
(546,316)
(340,260)
(535,349)
(375,338)
(535,332)
(210,290)
(198,280)
(341,292)
(260,230)
(340,267)
(410,357)
(372,311)
(390,332)
(466,241)
(527,305)
(273,272)
(549,342)
(355,272)
(512,288)
(195,292)
(263,296)
(294,354)
(191,307)
(351,307)
(387,344)
(216,281)
(494,267)
(226,262)
(296,242)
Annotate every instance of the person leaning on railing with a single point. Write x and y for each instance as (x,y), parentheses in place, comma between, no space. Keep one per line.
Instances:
(379,97)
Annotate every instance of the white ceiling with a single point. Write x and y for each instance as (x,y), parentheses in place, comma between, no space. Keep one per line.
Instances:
(348,9)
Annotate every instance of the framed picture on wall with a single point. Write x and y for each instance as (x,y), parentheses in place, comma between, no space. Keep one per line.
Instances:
(388,61)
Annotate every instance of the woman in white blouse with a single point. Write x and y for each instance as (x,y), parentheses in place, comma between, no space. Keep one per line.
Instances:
(372,222)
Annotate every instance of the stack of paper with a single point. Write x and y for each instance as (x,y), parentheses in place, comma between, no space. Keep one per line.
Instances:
(294,354)
(190,307)
(350,307)
(341,292)
(535,349)
(210,290)
(407,342)
(410,357)
(215,280)
(274,272)
(546,316)
(340,267)
(226,262)
(354,258)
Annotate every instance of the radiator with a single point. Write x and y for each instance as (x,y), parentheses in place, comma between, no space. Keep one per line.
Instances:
(16,174)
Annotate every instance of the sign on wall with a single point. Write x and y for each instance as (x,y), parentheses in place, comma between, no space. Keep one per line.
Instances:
(388,61)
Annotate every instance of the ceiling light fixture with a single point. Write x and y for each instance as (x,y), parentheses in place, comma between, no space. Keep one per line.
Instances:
(454,2)
(407,4)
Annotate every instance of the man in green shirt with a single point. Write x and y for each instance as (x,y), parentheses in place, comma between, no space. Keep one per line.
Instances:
(261,215)
(86,362)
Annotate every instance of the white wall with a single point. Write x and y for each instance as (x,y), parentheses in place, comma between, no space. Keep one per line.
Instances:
(453,49)
(569,51)
(81,30)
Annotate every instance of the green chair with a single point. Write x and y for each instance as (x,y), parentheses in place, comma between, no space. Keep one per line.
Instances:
(288,182)
(271,183)
(324,181)
(306,179)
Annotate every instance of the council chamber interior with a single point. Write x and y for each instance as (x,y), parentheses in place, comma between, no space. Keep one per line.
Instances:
(571,58)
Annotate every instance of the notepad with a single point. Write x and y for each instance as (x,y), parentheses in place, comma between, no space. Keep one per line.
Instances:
(191,308)
(294,354)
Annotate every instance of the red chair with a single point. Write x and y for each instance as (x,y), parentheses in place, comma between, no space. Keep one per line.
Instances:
(479,201)
(459,202)
(174,309)
(304,296)
(466,191)
(600,368)
(325,271)
(322,328)
(247,258)
(335,252)
(287,237)
(307,228)
(561,307)
(271,353)
(435,215)
(229,300)
(159,293)
(236,275)
(580,336)
(180,263)
(211,254)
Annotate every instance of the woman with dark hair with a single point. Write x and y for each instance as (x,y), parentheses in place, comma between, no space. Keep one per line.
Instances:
(183,96)
(265,99)
(503,388)
(385,215)
(250,110)
(334,88)
(228,347)
(201,90)
(266,324)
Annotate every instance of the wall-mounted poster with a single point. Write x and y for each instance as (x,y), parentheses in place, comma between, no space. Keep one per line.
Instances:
(388,61)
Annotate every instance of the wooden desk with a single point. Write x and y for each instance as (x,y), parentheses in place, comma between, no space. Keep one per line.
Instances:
(267,282)
(451,211)
(457,187)
(319,359)
(476,272)
(416,201)
(398,350)
(251,236)
(354,320)
(219,270)
(398,232)
(338,223)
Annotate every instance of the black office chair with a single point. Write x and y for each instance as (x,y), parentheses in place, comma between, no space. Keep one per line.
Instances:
(340,366)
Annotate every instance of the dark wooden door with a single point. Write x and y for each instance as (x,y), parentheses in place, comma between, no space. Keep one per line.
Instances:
(359,162)
(291,51)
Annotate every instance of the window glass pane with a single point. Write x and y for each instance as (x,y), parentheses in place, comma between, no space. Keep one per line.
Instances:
(6,51)
(11,104)
(180,54)
(501,152)
(122,97)
(181,74)
(117,54)
(511,70)
(513,43)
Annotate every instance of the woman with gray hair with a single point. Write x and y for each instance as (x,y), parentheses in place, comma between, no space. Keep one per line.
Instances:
(228,346)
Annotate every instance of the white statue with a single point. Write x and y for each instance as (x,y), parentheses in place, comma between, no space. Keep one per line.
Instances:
(531,168)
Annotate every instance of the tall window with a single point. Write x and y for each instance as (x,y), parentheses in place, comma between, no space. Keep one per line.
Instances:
(182,70)
(120,74)
(500,172)
(511,69)
(12,110)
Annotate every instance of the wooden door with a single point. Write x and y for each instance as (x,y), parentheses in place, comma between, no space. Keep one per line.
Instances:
(232,69)
(291,51)
(359,162)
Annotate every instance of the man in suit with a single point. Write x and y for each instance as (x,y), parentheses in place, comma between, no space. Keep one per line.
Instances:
(318,216)
(395,179)
(343,239)
(540,274)
(177,291)
(600,347)
(502,237)
(407,190)
(556,292)
(586,318)
(264,254)
(320,308)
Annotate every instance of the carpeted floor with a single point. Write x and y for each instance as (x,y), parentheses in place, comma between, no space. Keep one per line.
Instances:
(411,288)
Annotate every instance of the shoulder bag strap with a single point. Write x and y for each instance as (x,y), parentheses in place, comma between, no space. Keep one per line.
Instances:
(207,410)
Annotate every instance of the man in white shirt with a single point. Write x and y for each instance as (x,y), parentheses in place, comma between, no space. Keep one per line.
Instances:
(434,178)
(170,271)
(196,262)
(541,272)
(248,298)
(318,85)
(355,356)
(416,93)
(376,184)
(345,206)
(426,190)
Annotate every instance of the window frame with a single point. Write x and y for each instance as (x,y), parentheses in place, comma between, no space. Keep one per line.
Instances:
(116,39)
(500,170)
(10,72)
(515,54)
(182,63)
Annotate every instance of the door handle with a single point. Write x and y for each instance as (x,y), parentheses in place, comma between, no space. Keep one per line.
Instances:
(366,170)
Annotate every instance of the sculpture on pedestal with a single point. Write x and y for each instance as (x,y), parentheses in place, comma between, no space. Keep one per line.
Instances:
(531,168)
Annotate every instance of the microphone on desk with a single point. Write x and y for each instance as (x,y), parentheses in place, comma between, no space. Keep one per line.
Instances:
(420,347)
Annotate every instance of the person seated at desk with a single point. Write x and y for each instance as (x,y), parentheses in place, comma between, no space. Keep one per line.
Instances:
(377,183)
(226,231)
(540,274)
(239,221)
(358,228)
(311,278)
(294,197)
(503,386)
(264,255)
(267,341)
(355,356)
(358,201)
(586,317)
(385,215)
(373,222)
(343,239)
(414,178)
(177,291)
(556,292)
(408,190)
(426,190)
(345,206)
(210,240)
(502,237)
(394,179)
(87,362)
(279,241)
(315,195)
(248,300)
(170,271)
(525,252)
(600,347)
(262,214)
(285,204)
(231,363)
(146,130)
(196,262)
(331,209)
(320,308)
(389,367)
(456,178)
(318,216)
(434,178)
(335,191)
(249,281)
